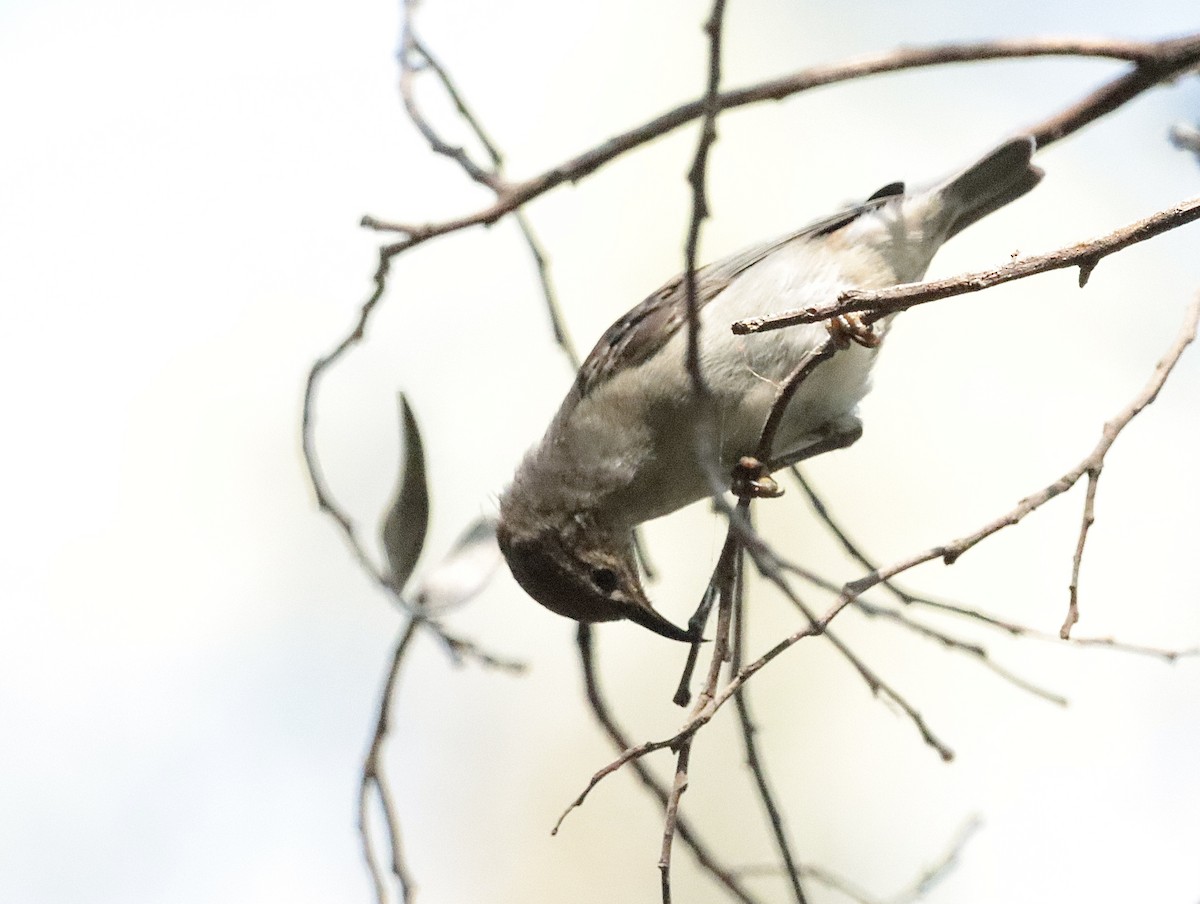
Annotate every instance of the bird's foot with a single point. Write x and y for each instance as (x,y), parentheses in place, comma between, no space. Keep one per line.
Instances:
(752,480)
(847,328)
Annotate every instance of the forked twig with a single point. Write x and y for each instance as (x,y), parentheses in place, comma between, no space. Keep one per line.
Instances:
(1094,463)
(950,552)
(373,775)
(687,833)
(908,598)
(492,177)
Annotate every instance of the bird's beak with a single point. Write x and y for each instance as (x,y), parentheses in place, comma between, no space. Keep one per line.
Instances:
(640,612)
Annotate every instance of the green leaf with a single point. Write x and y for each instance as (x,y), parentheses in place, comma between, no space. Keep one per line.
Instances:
(407,520)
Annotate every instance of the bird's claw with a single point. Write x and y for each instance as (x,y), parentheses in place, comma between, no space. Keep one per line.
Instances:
(752,480)
(847,328)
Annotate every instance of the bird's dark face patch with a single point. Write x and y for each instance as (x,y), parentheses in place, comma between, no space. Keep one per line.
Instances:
(592,583)
(544,569)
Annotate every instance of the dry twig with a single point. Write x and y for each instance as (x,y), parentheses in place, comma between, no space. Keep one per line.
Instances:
(950,552)
(791,866)
(726,566)
(373,775)
(687,833)
(908,598)
(881,302)
(1154,62)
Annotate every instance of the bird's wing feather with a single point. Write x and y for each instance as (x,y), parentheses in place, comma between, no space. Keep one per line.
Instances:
(643,330)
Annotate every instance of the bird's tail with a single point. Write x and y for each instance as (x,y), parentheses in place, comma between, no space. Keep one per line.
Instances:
(999,178)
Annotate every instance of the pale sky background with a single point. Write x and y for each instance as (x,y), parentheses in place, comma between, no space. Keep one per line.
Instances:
(190,659)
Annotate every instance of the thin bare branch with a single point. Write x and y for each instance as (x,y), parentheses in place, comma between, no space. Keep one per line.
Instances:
(874,682)
(1088,519)
(950,552)
(919,888)
(1154,62)
(324,496)
(549,295)
(1095,462)
(628,755)
(962,646)
(939,871)
(373,775)
(414,50)
(460,104)
(727,579)
(872,610)
(1111,643)
(671,817)
(696,624)
(1169,59)
(852,549)
(880,302)
(1018,630)
(415,57)
(696,179)
(461,649)
(687,833)
(830,879)
(786,391)
(754,761)
(908,598)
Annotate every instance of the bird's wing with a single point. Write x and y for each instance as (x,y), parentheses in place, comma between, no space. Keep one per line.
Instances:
(643,330)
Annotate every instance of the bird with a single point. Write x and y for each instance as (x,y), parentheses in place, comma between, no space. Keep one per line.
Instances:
(636,438)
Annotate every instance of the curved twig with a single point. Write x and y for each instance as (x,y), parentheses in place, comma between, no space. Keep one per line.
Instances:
(373,775)
(687,833)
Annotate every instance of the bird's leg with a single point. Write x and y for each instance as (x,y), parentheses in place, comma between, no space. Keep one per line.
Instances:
(840,434)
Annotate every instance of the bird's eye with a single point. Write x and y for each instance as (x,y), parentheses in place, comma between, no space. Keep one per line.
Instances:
(605,580)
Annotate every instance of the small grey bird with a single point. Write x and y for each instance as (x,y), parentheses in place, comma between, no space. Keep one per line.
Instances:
(622,448)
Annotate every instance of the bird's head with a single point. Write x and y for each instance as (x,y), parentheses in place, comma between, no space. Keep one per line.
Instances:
(584,573)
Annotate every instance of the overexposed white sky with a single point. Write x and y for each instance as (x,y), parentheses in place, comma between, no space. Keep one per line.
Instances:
(190,659)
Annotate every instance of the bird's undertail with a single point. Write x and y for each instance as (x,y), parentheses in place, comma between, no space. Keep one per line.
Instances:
(999,178)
